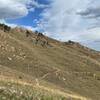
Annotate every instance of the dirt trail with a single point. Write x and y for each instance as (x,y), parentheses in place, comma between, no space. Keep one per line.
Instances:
(37,85)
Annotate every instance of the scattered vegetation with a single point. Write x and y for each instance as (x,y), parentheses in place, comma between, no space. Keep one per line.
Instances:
(12,91)
(66,66)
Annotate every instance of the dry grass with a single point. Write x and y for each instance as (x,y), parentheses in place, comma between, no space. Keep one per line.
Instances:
(70,68)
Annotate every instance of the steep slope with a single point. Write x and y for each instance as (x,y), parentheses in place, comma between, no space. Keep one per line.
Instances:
(35,58)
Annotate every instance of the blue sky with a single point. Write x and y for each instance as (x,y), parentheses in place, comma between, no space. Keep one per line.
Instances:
(28,20)
(77,20)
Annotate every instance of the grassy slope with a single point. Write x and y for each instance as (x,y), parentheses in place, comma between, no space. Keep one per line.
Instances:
(69,68)
(16,91)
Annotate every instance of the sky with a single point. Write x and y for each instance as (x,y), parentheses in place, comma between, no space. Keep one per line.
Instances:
(77,20)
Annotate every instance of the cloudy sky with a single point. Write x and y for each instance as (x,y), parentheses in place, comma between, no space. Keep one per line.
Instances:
(77,20)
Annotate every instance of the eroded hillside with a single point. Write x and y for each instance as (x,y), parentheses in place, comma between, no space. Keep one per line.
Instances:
(66,67)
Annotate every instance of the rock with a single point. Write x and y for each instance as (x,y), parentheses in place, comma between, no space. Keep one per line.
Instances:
(64,79)
(9,58)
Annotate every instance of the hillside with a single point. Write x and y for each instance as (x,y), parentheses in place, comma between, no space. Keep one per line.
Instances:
(64,70)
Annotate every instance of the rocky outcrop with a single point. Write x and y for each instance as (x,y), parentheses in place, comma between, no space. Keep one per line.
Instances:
(37,38)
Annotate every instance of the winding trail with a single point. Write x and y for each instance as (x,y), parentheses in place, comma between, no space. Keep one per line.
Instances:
(37,85)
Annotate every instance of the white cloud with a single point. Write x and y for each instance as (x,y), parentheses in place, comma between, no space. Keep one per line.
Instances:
(62,21)
(29,28)
(92,10)
(12,8)
(17,8)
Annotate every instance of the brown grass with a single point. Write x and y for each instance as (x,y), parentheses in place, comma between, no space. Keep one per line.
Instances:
(70,68)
